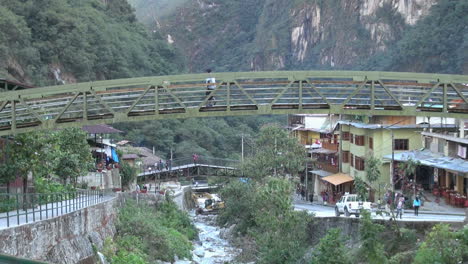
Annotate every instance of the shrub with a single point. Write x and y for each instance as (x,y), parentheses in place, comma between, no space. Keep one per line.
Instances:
(331,249)
(160,233)
(443,246)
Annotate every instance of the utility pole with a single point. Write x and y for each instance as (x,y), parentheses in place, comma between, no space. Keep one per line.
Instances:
(306,181)
(242,149)
(276,153)
(392,173)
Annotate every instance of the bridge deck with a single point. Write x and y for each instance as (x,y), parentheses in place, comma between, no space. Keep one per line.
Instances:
(181,167)
(244,93)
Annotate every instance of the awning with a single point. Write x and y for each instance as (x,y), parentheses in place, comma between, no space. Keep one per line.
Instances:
(337,179)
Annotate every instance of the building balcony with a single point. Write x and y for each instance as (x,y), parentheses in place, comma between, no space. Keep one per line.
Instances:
(327,166)
(330,145)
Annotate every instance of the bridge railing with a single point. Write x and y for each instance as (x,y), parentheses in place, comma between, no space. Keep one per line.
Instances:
(242,93)
(22,208)
(202,160)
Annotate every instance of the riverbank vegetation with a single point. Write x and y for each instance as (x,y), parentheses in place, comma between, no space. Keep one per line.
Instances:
(147,233)
(261,209)
(261,214)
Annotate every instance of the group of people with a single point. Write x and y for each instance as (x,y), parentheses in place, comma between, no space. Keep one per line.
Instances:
(399,203)
(164,165)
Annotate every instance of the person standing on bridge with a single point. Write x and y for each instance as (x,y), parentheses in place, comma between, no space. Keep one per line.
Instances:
(210,81)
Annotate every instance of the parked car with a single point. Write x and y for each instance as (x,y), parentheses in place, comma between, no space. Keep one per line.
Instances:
(350,204)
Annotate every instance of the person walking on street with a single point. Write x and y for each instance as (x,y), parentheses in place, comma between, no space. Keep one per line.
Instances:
(416,205)
(400,208)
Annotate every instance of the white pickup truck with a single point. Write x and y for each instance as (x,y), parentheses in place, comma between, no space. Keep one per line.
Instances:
(350,204)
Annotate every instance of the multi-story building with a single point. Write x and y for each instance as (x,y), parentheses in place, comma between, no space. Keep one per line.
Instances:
(443,163)
(379,139)
(346,144)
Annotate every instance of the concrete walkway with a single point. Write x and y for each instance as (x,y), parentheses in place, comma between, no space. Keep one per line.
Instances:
(50,210)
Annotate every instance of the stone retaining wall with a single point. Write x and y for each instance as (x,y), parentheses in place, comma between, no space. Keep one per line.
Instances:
(65,239)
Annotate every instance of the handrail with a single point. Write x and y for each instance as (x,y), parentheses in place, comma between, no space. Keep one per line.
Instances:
(22,208)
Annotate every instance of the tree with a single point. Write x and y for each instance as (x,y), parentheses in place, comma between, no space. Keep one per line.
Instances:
(72,154)
(409,169)
(361,188)
(372,249)
(373,170)
(331,249)
(128,173)
(276,154)
(443,246)
(280,231)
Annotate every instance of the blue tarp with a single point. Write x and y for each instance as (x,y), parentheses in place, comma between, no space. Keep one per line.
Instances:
(114,155)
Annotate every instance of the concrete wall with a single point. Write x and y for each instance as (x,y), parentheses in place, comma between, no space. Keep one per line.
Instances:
(64,239)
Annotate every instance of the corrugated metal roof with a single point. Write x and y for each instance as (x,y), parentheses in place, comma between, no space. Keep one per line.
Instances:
(130,156)
(321,173)
(432,159)
(385,126)
(322,151)
(101,129)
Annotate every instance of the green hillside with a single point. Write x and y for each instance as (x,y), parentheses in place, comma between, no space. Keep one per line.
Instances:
(86,40)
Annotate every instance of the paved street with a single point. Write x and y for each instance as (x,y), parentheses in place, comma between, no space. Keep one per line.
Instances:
(328,211)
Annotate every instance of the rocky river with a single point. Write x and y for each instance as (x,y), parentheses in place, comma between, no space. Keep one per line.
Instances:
(212,247)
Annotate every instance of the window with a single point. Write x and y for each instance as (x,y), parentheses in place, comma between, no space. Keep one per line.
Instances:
(371,143)
(359,140)
(345,158)
(352,160)
(401,144)
(359,163)
(351,138)
(345,136)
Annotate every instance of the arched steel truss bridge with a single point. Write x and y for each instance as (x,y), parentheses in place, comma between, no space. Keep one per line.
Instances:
(236,93)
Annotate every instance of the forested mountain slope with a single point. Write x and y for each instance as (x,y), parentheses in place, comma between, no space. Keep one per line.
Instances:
(397,35)
(55,41)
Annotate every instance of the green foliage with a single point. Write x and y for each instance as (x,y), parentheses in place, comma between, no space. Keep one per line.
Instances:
(170,216)
(213,137)
(437,43)
(62,154)
(239,199)
(331,249)
(443,246)
(159,234)
(276,153)
(7,204)
(360,187)
(263,210)
(87,39)
(128,173)
(372,249)
(49,186)
(372,169)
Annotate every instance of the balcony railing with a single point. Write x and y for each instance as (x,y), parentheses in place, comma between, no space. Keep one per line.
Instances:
(327,166)
(330,145)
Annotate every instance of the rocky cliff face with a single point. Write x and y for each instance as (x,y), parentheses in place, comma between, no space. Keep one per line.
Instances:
(283,34)
(337,33)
